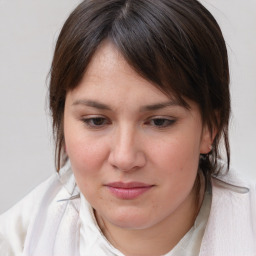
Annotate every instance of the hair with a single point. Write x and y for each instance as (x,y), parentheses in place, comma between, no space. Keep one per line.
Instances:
(176,44)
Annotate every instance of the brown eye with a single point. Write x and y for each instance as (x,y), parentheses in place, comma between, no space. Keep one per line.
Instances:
(95,121)
(161,122)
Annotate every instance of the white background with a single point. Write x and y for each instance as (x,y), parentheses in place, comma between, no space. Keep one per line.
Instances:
(28,32)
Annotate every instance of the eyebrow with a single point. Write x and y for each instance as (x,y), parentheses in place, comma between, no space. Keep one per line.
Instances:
(152,107)
(157,106)
(92,103)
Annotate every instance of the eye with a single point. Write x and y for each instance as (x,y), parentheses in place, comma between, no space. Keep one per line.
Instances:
(160,122)
(96,122)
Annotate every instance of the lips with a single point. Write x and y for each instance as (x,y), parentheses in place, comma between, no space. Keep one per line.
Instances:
(128,191)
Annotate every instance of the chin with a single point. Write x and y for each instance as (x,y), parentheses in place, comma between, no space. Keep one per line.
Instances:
(129,219)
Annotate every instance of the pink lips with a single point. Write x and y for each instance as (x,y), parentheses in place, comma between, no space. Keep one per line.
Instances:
(129,190)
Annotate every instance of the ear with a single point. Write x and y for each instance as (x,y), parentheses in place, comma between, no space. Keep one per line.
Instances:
(207,139)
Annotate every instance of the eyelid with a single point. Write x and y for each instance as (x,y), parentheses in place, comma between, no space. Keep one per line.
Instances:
(171,118)
(87,119)
(170,121)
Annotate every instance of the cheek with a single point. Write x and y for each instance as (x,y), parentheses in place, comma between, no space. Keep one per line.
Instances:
(86,153)
(177,154)
(177,165)
(87,161)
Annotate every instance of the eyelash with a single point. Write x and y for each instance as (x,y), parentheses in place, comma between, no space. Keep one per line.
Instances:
(164,122)
(100,122)
(90,122)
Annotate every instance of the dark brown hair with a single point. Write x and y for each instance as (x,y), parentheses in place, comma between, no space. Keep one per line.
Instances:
(176,44)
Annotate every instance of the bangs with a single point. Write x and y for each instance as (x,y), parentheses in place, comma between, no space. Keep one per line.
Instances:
(168,51)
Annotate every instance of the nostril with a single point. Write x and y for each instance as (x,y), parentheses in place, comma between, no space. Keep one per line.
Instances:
(127,161)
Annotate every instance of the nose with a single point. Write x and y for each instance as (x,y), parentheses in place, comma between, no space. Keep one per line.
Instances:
(126,150)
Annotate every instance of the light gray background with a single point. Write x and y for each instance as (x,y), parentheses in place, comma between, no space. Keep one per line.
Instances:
(28,32)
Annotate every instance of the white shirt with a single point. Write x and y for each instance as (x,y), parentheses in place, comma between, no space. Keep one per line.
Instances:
(43,224)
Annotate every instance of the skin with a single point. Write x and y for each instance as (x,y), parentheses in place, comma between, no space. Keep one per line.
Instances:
(117,128)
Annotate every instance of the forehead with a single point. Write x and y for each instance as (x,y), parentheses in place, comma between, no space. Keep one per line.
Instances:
(108,75)
(108,61)
(109,80)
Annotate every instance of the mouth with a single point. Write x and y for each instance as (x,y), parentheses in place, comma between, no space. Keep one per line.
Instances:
(128,191)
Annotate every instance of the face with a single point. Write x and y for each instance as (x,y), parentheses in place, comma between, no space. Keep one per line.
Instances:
(133,150)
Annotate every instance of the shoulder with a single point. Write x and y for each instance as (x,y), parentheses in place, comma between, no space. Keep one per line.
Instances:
(30,201)
(235,186)
(15,222)
(234,181)
(232,216)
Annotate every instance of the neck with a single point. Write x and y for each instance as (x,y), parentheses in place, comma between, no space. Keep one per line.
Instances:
(160,238)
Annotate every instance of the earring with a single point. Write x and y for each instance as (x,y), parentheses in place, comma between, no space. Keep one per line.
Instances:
(210,147)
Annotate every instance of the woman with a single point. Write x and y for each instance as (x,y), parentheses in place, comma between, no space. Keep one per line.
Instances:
(139,95)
